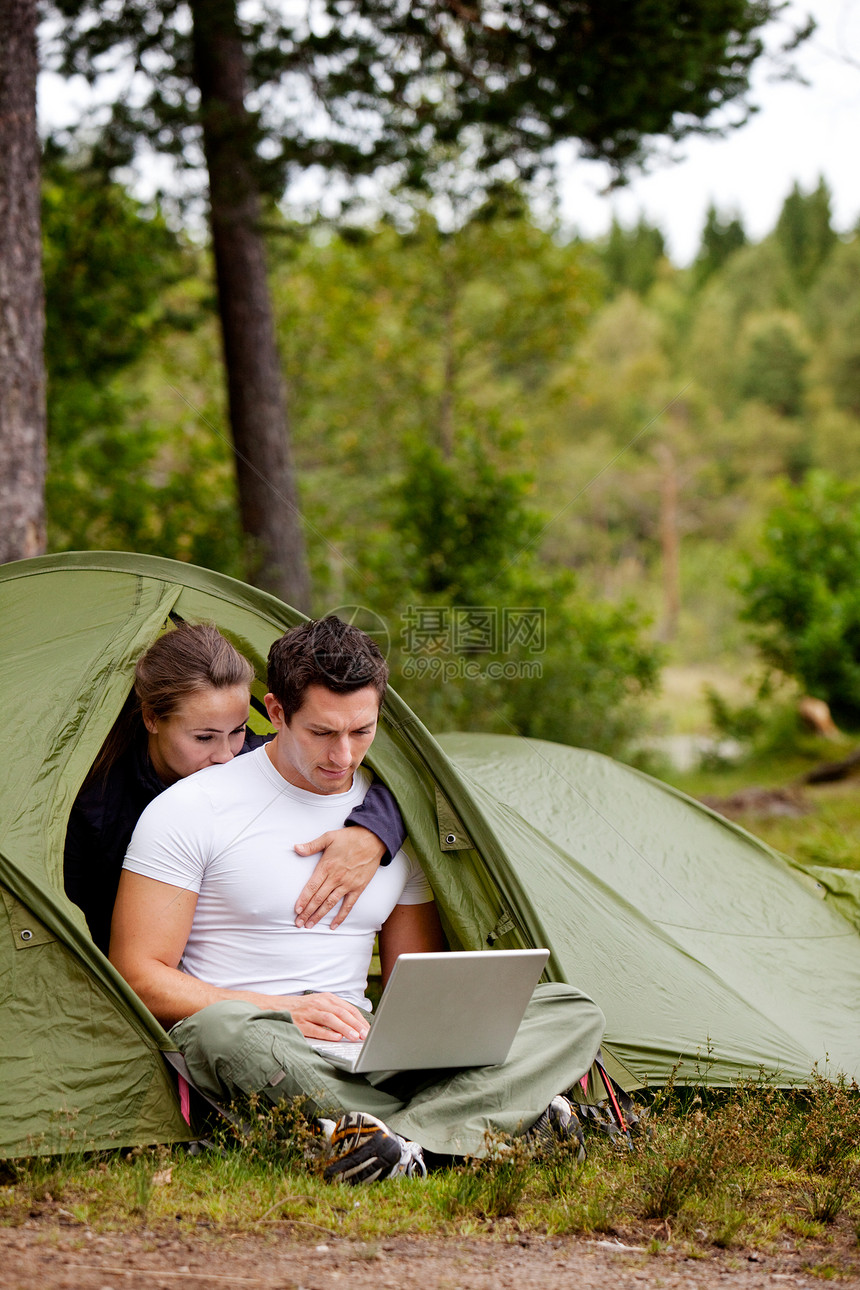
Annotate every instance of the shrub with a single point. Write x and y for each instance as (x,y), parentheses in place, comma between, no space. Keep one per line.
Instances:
(802,593)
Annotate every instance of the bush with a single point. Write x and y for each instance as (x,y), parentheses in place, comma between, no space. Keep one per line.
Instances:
(485,636)
(802,594)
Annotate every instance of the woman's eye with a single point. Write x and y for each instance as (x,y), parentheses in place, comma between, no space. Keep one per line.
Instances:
(204,739)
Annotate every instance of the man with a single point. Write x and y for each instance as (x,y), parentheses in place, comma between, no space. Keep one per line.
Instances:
(204,931)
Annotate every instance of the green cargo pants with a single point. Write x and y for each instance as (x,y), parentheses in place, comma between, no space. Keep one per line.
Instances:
(234,1049)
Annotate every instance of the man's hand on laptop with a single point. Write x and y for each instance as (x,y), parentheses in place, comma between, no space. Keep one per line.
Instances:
(327,1016)
(350,857)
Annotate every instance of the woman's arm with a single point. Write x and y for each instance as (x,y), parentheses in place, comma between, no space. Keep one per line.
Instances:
(380,814)
(373,833)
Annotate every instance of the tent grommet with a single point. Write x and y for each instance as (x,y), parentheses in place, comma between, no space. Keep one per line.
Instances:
(26,934)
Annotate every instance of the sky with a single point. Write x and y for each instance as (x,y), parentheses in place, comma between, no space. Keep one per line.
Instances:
(800,133)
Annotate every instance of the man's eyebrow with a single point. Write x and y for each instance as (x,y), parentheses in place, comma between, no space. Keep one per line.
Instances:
(321,728)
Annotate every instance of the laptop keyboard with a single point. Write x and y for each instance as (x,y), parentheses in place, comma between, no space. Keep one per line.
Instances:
(344,1048)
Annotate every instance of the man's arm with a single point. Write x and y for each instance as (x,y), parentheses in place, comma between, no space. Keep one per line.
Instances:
(409,929)
(151,924)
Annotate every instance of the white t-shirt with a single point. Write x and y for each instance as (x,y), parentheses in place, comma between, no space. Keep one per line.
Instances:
(228,832)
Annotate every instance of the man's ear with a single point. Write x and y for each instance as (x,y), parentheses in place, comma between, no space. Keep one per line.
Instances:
(275,709)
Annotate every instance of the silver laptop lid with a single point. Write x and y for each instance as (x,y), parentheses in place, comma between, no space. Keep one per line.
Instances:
(451,1009)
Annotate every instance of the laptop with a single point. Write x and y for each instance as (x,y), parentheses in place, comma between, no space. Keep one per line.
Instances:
(440,1010)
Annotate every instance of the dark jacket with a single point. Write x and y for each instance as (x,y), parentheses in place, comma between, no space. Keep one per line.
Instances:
(107,809)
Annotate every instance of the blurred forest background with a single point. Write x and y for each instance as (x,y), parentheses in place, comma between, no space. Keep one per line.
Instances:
(499,416)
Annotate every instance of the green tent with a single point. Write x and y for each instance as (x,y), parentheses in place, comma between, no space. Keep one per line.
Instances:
(706,951)
(705,948)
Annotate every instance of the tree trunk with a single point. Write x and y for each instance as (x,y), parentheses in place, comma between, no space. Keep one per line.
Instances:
(669,541)
(22,305)
(449,362)
(268,501)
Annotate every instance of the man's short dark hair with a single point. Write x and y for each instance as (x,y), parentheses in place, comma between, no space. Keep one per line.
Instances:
(326,652)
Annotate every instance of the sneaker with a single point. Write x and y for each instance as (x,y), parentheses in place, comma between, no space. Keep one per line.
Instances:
(318,1141)
(364,1150)
(558,1123)
(411,1163)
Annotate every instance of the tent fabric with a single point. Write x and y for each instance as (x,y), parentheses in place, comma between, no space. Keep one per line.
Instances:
(841,887)
(709,955)
(708,952)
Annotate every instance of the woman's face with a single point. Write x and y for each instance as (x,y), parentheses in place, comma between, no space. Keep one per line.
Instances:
(205,728)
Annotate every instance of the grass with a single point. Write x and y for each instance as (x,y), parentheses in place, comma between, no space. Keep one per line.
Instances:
(749,1168)
(829,832)
(829,835)
(781,753)
(752,1168)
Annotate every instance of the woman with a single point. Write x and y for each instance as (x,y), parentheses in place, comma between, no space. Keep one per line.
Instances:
(188,710)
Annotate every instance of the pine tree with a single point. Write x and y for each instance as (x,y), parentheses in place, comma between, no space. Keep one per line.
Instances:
(721,237)
(805,233)
(631,256)
(351,86)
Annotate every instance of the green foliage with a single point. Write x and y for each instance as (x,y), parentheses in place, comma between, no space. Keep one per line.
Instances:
(597,667)
(755,280)
(107,267)
(802,592)
(726,1169)
(108,264)
(631,257)
(820,1134)
(804,232)
(116,287)
(489,1188)
(394,337)
(372,84)
(363,88)
(424,395)
(772,368)
(834,312)
(737,721)
(721,237)
(463,550)
(475,424)
(462,522)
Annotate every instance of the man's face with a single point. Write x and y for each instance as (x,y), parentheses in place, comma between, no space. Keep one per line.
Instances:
(325,741)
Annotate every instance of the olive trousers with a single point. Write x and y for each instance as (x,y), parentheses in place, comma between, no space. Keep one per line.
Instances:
(234,1049)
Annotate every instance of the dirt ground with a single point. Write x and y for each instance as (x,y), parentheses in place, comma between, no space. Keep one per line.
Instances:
(56,1256)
